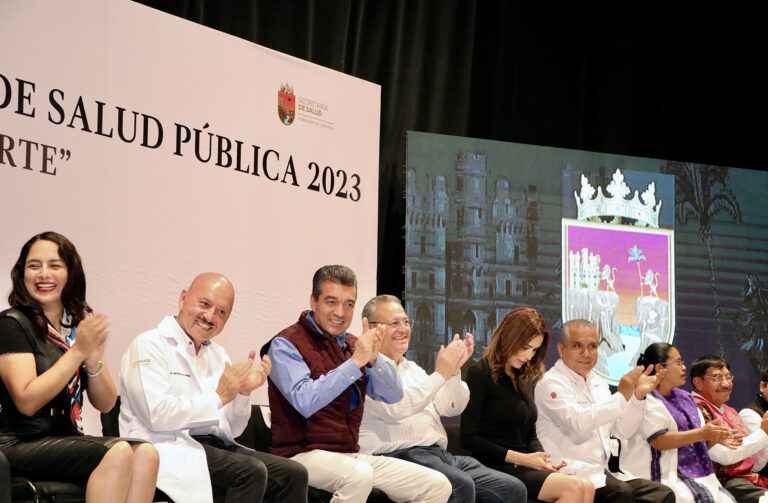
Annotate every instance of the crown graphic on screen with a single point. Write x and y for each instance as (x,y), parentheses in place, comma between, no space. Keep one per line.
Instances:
(594,205)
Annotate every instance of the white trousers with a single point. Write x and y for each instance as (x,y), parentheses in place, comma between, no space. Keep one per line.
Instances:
(351,476)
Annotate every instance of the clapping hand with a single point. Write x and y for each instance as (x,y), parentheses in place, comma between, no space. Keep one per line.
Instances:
(90,336)
(469,348)
(257,376)
(450,358)
(367,345)
(734,440)
(718,433)
(646,383)
(764,422)
(232,378)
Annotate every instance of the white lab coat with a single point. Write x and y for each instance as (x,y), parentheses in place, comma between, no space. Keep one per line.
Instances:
(577,417)
(168,393)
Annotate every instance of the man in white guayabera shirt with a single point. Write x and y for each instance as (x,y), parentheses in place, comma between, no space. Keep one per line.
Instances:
(411,429)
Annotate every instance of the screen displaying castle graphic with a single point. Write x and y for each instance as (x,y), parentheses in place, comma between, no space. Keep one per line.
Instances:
(619,269)
(622,280)
(470,258)
(648,249)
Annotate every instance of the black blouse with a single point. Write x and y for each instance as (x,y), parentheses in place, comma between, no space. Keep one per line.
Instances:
(53,418)
(498,417)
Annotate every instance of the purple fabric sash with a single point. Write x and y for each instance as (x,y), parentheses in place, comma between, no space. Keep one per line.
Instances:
(692,459)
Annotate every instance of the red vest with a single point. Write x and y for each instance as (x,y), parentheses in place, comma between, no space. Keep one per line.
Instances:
(742,469)
(334,427)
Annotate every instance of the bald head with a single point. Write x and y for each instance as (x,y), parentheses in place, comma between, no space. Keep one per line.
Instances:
(205,306)
(213,280)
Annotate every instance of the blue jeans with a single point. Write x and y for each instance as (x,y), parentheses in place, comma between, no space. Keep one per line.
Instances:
(470,479)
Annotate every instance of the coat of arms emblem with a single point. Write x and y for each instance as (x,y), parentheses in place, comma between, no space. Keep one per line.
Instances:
(286,104)
(619,270)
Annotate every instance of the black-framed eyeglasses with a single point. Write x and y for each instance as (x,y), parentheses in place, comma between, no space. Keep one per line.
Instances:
(721,377)
(392,324)
(676,362)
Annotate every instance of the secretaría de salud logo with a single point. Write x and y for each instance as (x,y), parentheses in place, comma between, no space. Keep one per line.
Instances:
(286,104)
(309,110)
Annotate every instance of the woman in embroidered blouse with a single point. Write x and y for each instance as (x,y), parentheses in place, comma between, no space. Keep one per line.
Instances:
(671,445)
(499,423)
(51,350)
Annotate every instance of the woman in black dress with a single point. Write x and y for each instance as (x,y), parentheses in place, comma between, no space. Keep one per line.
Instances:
(499,423)
(51,350)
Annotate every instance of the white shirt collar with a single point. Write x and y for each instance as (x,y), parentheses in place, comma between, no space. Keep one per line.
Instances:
(178,334)
(573,376)
(402,362)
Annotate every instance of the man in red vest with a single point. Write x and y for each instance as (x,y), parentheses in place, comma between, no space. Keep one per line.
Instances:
(320,377)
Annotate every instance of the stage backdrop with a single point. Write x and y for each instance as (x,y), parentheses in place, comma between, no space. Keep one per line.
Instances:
(650,250)
(162,149)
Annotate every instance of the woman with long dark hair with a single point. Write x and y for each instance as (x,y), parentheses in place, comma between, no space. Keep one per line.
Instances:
(671,444)
(51,351)
(499,424)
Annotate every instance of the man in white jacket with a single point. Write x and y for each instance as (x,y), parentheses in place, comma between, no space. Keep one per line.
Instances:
(577,415)
(180,392)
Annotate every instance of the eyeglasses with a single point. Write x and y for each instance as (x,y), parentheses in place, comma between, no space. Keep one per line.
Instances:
(394,324)
(721,377)
(676,362)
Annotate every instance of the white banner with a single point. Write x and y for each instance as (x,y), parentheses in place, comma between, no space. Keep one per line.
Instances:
(162,149)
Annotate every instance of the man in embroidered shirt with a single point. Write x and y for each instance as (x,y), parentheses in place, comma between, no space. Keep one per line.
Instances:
(713,383)
(411,429)
(320,377)
(577,415)
(180,392)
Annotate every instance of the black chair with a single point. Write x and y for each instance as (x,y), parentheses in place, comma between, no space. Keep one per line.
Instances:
(5,480)
(27,490)
(24,490)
